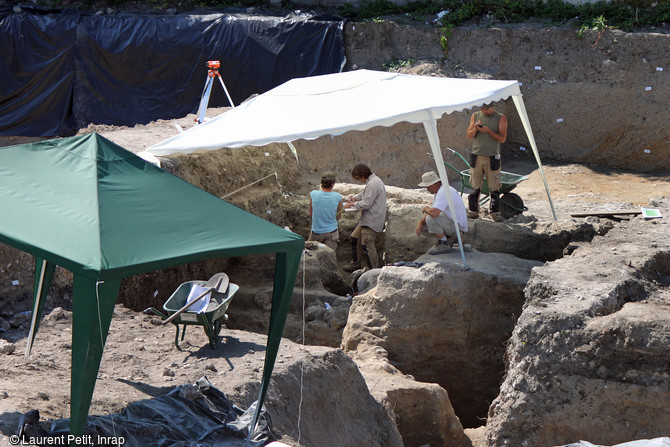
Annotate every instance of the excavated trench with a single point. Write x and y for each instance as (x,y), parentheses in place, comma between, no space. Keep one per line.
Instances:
(465,356)
(450,327)
(462,350)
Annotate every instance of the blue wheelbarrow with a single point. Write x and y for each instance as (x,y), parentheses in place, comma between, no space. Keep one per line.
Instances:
(218,294)
(510,203)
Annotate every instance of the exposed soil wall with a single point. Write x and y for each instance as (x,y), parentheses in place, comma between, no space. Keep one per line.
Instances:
(588,357)
(599,98)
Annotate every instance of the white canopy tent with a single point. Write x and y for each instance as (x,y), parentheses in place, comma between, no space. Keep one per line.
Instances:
(333,104)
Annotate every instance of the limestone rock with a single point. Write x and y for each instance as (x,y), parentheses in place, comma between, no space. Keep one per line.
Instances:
(6,347)
(367,280)
(334,385)
(445,324)
(20,318)
(423,410)
(590,350)
(327,272)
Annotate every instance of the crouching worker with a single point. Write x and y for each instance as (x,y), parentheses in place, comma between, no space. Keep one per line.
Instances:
(437,218)
(325,208)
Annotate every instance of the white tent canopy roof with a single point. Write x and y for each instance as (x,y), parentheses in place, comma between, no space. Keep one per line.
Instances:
(334,104)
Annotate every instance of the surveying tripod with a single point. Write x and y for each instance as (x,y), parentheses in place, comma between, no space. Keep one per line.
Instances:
(212,72)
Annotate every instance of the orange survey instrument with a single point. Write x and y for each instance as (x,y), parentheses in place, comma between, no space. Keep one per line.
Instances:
(212,72)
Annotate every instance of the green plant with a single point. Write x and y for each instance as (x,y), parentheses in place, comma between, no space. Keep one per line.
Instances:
(376,8)
(597,24)
(600,23)
(347,10)
(396,65)
(445,34)
(623,14)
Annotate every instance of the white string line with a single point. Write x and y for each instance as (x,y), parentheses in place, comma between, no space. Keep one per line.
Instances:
(252,183)
(302,365)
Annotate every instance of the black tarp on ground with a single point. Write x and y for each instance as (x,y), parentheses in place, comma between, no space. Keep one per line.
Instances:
(62,71)
(189,415)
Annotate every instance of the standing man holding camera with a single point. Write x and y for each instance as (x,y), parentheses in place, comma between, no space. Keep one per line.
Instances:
(488,128)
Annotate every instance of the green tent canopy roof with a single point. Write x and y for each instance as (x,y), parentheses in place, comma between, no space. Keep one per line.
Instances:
(94,208)
(102,212)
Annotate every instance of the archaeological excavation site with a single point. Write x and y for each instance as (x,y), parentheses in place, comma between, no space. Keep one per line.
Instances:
(547,328)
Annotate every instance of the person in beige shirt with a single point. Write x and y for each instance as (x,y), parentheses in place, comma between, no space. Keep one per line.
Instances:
(368,235)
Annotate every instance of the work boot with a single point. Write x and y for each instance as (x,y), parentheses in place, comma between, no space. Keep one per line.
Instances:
(495,202)
(453,240)
(495,207)
(497,217)
(351,267)
(473,204)
(439,248)
(354,250)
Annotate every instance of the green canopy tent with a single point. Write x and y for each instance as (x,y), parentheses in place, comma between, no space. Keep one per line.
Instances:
(103,213)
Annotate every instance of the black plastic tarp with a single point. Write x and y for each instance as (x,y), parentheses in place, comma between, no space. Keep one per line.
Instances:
(189,415)
(63,71)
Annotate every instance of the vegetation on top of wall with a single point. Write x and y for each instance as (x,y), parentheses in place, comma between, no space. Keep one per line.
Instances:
(622,14)
(626,15)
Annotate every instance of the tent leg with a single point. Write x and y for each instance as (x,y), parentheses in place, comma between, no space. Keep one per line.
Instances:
(521,109)
(92,308)
(44,272)
(431,131)
(286,270)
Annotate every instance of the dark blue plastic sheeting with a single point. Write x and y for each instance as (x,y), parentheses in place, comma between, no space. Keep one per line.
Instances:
(189,415)
(61,71)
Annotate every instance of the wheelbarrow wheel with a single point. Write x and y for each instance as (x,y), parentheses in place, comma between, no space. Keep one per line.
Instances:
(213,333)
(511,205)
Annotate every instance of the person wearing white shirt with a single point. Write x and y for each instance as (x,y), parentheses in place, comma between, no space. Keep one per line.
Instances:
(437,218)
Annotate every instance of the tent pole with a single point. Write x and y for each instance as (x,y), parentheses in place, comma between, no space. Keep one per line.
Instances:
(521,109)
(45,271)
(92,308)
(286,270)
(293,149)
(433,138)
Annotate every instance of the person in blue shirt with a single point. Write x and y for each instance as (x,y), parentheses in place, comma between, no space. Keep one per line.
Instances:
(325,209)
